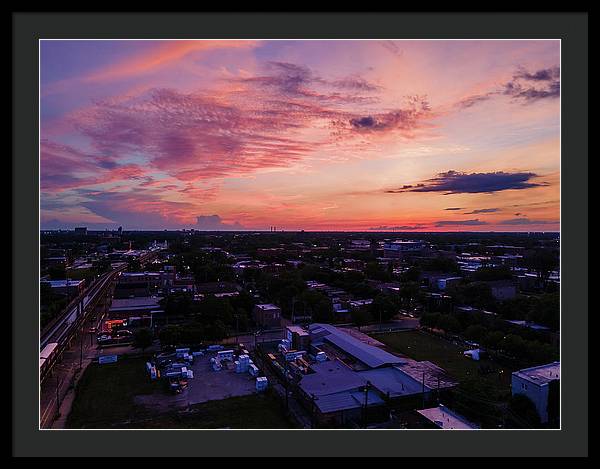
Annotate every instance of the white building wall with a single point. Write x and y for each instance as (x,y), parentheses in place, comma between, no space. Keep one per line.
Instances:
(537,393)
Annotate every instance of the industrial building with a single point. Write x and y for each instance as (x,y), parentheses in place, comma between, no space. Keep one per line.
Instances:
(358,376)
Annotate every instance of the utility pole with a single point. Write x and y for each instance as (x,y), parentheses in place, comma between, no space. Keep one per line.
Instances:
(285,372)
(57,395)
(312,411)
(367,386)
(81,348)
(293,298)
(423,390)
(237,328)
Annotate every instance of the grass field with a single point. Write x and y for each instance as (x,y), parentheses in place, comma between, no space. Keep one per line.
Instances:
(422,346)
(105,393)
(105,399)
(253,411)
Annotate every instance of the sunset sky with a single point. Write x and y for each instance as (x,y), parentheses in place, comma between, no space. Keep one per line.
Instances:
(313,135)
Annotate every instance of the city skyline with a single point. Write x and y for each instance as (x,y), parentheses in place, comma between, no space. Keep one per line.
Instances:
(314,135)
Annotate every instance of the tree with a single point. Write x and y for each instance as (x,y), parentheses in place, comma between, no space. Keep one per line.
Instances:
(385,306)
(514,345)
(360,317)
(212,308)
(493,273)
(430,320)
(409,292)
(554,403)
(515,308)
(143,338)
(57,272)
(441,264)
(475,294)
(542,261)
(169,335)
(318,305)
(492,339)
(216,331)
(374,271)
(178,304)
(524,409)
(413,274)
(449,323)
(546,310)
(475,332)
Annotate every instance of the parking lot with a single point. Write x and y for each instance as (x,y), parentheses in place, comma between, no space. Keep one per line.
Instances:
(207,385)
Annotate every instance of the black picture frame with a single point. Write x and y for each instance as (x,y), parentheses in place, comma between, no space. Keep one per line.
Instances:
(570,28)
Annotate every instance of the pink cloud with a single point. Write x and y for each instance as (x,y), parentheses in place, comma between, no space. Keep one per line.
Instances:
(64,167)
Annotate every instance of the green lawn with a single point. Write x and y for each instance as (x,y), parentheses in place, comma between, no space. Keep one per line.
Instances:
(422,346)
(105,393)
(105,399)
(253,411)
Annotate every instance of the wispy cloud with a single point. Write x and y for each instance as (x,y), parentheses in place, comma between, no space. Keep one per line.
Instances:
(418,226)
(473,222)
(482,210)
(532,86)
(524,86)
(455,182)
(526,221)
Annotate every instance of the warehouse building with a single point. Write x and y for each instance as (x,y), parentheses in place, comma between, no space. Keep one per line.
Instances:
(360,378)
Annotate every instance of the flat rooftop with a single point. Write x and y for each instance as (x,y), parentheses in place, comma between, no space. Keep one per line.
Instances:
(447,419)
(63,283)
(143,302)
(297,329)
(140,274)
(434,376)
(371,356)
(330,377)
(540,375)
(267,306)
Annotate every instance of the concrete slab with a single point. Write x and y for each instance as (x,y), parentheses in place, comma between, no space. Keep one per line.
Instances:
(207,385)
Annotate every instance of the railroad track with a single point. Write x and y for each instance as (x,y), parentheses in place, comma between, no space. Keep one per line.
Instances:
(58,329)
